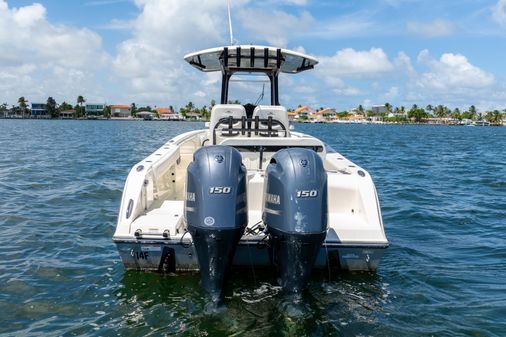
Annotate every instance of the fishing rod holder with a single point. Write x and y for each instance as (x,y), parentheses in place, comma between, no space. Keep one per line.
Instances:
(265,127)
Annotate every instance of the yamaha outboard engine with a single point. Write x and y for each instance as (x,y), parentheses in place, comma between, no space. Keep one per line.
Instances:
(295,213)
(216,212)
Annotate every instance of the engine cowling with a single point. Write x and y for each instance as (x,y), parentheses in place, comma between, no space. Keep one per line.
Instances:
(216,211)
(295,213)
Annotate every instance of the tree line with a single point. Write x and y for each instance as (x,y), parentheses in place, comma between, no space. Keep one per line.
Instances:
(53,109)
(389,113)
(419,114)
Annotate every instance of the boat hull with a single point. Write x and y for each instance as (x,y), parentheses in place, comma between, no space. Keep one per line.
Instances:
(178,255)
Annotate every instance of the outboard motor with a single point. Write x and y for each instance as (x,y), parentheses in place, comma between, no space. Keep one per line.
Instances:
(216,212)
(295,213)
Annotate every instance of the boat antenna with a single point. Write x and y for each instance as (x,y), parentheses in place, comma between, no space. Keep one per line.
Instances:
(261,97)
(230,24)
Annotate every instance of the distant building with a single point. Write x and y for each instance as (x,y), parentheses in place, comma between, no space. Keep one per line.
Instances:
(9,113)
(378,109)
(168,114)
(303,112)
(67,114)
(291,115)
(146,115)
(120,111)
(193,116)
(326,114)
(39,110)
(94,109)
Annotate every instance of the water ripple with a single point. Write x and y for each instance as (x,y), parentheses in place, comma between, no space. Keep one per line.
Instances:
(443,195)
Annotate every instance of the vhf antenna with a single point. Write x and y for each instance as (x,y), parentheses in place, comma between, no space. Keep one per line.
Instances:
(261,97)
(230,24)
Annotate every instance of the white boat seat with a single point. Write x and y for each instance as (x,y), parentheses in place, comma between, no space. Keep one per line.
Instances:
(277,112)
(168,217)
(220,111)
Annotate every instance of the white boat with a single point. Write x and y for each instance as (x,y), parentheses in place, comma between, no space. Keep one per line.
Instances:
(249,191)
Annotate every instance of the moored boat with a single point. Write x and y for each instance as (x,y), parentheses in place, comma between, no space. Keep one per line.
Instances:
(248,190)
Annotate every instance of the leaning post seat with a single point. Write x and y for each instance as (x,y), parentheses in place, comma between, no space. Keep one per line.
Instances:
(220,111)
(277,112)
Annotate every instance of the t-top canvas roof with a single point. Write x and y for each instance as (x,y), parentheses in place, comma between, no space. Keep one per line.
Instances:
(250,58)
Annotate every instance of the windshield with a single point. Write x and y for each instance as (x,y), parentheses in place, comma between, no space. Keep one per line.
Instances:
(249,88)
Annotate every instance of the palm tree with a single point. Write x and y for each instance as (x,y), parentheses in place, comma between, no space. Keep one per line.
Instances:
(388,106)
(497,116)
(3,109)
(360,109)
(80,101)
(133,110)
(22,105)
(440,111)
(64,106)
(472,112)
(456,114)
(51,107)
(429,108)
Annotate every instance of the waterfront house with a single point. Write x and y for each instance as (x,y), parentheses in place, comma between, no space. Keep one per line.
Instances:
(326,114)
(357,118)
(39,110)
(120,111)
(443,120)
(352,118)
(291,115)
(67,114)
(193,116)
(12,113)
(317,117)
(378,109)
(398,114)
(94,109)
(146,115)
(168,114)
(303,113)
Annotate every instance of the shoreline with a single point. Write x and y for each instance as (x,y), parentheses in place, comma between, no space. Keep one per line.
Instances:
(474,123)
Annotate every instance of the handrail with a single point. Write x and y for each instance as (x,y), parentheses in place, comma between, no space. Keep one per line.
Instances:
(246,127)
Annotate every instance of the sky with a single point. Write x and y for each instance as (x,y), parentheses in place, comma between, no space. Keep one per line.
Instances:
(370,52)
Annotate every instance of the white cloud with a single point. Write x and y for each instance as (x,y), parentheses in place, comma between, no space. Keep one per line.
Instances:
(341,27)
(403,63)
(436,28)
(349,62)
(498,12)
(45,59)
(300,49)
(283,26)
(359,66)
(117,24)
(451,73)
(274,26)
(151,62)
(271,3)
(392,93)
(296,2)
(348,91)
(104,2)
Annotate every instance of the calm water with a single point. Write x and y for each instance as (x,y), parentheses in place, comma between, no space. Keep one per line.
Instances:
(443,196)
